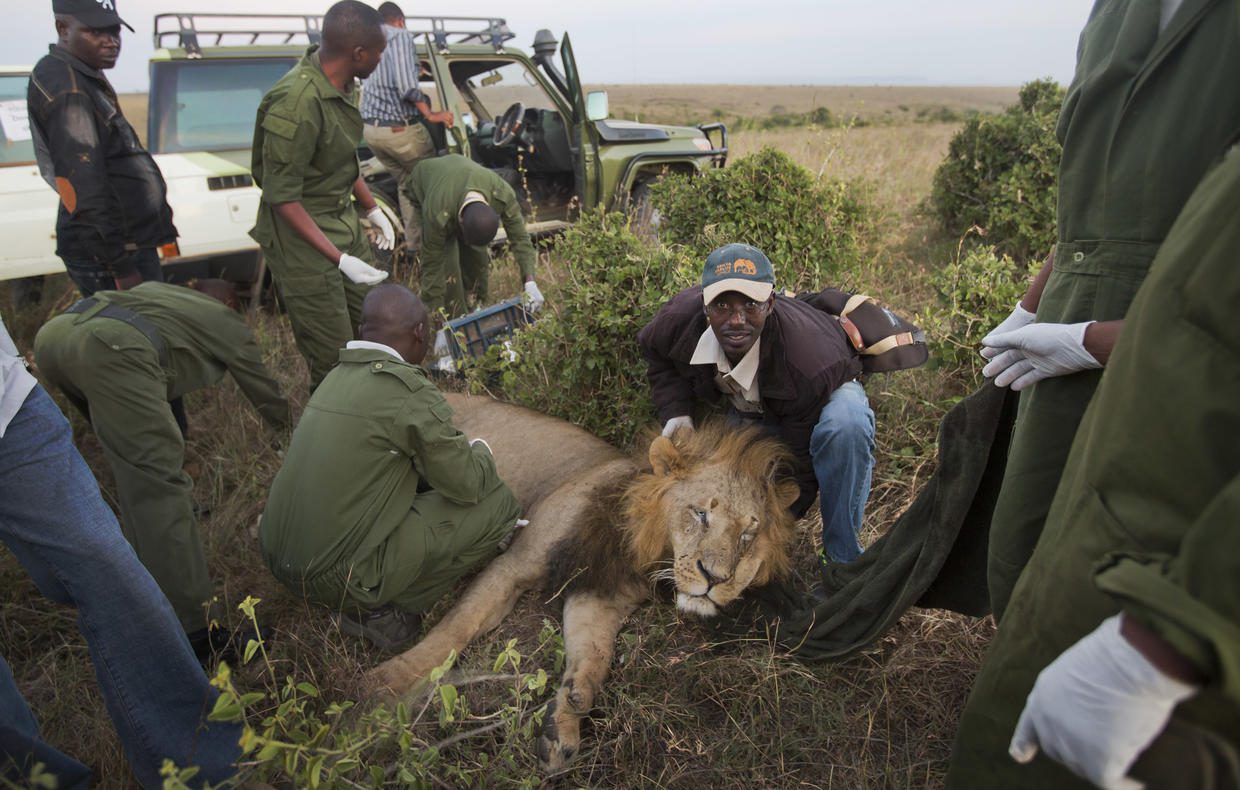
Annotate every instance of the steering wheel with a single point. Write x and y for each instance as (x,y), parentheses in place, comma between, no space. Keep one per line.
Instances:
(508,126)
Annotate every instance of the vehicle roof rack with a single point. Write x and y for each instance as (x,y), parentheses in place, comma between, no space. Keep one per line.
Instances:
(193,31)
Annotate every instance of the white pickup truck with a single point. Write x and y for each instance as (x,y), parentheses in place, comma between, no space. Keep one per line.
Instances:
(27,204)
(200,127)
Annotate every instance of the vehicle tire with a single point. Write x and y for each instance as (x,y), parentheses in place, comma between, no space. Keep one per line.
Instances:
(643,216)
(394,260)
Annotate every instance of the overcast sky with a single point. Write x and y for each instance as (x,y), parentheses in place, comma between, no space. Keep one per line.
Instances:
(961,42)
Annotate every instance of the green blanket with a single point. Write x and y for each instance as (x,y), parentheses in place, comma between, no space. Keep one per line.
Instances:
(934,555)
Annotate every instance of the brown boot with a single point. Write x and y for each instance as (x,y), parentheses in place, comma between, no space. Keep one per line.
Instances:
(387,628)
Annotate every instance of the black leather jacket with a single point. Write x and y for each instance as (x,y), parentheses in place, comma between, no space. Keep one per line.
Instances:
(112,195)
(804,357)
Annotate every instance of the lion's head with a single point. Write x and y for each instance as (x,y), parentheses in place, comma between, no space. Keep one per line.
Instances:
(716,506)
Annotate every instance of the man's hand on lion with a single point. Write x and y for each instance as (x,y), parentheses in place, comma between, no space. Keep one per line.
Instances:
(482,442)
(506,541)
(676,423)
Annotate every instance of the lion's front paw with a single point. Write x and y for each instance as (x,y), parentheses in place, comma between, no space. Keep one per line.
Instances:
(560,740)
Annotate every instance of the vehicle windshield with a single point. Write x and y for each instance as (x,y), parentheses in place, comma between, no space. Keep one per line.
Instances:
(207,104)
(16,145)
(491,86)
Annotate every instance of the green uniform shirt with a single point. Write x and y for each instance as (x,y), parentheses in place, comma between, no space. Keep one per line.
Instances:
(305,145)
(1147,518)
(305,150)
(1145,117)
(374,433)
(438,185)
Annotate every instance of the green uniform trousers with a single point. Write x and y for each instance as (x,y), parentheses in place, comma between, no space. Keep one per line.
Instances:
(437,543)
(324,307)
(465,272)
(113,367)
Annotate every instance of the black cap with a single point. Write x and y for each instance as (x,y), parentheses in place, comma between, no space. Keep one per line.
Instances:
(93,13)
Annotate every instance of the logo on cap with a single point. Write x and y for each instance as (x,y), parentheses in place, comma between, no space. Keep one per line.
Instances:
(741,266)
(106,5)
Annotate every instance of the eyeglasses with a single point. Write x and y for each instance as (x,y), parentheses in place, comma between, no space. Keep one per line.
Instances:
(750,308)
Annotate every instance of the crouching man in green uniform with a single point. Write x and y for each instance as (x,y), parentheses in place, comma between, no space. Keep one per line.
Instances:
(305,160)
(121,356)
(1122,640)
(382,504)
(461,205)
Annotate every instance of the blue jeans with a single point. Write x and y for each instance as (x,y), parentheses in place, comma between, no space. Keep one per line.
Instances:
(89,276)
(841,448)
(54,520)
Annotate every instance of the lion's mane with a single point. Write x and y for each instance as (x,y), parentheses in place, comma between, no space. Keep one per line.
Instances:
(624,537)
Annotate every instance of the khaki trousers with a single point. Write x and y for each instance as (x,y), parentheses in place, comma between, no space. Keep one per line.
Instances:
(398,148)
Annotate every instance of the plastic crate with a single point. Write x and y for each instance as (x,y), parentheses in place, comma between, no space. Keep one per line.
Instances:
(471,335)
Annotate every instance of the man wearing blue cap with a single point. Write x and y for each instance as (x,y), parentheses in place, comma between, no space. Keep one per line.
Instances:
(780,362)
(114,210)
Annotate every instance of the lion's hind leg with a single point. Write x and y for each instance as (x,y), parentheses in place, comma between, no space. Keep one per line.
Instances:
(591,623)
(486,602)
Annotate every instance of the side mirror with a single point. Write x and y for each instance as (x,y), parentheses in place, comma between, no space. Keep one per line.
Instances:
(596,106)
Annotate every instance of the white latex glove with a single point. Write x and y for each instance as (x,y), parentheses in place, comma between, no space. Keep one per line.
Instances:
(482,442)
(533,297)
(1027,355)
(359,271)
(1020,317)
(1097,707)
(380,221)
(506,541)
(676,423)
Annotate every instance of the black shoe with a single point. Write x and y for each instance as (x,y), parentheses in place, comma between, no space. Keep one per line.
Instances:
(212,645)
(387,628)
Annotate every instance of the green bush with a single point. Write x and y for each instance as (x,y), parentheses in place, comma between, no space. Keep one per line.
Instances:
(1000,175)
(977,291)
(580,360)
(810,228)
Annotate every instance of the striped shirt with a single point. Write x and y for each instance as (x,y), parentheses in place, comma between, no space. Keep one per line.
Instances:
(384,90)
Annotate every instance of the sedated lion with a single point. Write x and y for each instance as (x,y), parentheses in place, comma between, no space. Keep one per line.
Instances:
(711,516)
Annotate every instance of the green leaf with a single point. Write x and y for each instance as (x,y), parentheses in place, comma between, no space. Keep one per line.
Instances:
(448,696)
(226,708)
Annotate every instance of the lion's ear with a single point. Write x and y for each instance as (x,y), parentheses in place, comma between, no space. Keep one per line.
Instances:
(787,492)
(665,459)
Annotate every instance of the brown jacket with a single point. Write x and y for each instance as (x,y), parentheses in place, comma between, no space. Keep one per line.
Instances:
(804,357)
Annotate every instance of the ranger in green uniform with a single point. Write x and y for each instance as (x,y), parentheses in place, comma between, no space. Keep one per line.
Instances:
(1136,141)
(120,356)
(382,504)
(305,160)
(1147,523)
(461,204)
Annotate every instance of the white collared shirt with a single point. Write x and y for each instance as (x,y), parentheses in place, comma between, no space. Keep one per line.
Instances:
(374,346)
(739,383)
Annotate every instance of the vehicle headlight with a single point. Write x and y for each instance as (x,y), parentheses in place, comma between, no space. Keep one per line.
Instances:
(703,144)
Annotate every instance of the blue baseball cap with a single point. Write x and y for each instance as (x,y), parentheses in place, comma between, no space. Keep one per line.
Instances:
(740,268)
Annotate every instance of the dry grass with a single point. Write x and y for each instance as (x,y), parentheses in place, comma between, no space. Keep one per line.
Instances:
(702,103)
(677,711)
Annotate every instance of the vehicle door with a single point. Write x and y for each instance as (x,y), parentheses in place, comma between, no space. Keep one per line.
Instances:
(585,145)
(457,139)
